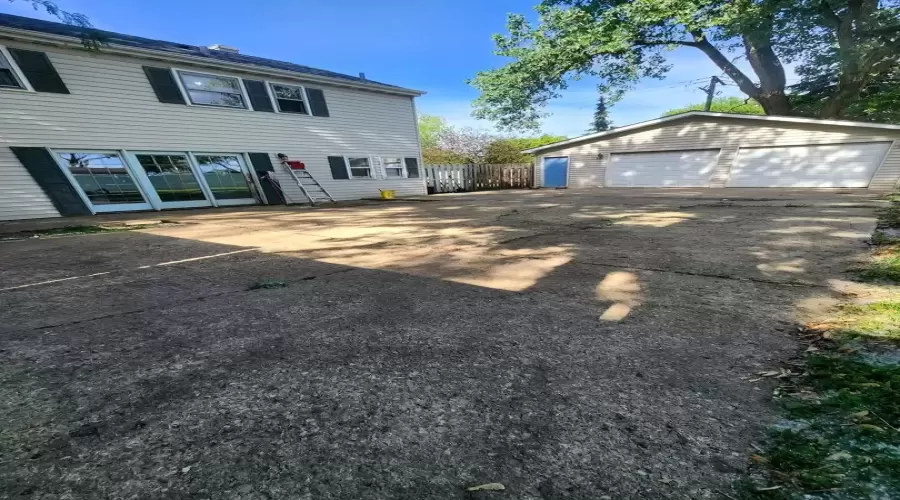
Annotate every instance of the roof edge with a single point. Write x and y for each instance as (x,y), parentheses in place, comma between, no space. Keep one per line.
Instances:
(708,114)
(74,42)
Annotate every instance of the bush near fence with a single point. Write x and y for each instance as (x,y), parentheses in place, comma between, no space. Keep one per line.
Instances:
(462,178)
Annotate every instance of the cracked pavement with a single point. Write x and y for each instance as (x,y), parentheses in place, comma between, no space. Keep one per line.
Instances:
(569,345)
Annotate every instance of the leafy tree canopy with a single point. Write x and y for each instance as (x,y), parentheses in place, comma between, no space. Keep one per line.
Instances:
(723,105)
(445,144)
(623,41)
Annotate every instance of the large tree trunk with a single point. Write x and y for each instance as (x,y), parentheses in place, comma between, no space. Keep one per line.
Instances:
(770,93)
(768,68)
(774,103)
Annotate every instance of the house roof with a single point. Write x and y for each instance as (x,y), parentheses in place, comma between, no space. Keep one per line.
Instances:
(705,114)
(11,25)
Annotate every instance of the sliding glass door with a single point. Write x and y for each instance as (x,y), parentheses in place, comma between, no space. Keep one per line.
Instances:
(173,179)
(103,180)
(118,181)
(228,178)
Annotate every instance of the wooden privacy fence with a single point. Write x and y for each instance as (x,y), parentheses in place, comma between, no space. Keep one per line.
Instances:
(460,178)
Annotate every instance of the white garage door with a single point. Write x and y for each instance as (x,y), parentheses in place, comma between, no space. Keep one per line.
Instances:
(668,169)
(832,165)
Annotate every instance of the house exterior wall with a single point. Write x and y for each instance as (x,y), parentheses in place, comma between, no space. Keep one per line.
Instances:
(587,170)
(112,106)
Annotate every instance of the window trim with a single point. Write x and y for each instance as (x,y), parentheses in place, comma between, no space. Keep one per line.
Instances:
(176,73)
(404,174)
(270,87)
(17,73)
(372,173)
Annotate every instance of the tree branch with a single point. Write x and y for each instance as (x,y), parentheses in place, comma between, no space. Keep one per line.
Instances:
(743,81)
(829,15)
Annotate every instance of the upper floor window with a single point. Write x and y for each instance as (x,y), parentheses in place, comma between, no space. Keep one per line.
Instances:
(213,90)
(290,98)
(8,78)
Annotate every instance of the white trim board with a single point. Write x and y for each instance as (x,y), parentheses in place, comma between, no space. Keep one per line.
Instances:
(705,114)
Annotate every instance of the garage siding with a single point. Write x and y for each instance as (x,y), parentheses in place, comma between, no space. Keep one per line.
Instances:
(112,106)
(729,135)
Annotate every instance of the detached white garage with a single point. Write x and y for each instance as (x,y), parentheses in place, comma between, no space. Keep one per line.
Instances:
(698,149)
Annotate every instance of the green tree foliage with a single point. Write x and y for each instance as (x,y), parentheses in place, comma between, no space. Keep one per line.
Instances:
(54,10)
(444,144)
(879,99)
(723,105)
(601,121)
(430,128)
(509,149)
(623,41)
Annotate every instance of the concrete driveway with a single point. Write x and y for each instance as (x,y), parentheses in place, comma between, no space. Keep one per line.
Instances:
(569,345)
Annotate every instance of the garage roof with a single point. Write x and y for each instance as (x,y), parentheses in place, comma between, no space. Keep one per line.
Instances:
(705,114)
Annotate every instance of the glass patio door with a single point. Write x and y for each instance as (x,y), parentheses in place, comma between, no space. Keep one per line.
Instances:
(227,177)
(172,179)
(103,180)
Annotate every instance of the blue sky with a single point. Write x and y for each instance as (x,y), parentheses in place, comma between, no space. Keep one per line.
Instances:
(432,45)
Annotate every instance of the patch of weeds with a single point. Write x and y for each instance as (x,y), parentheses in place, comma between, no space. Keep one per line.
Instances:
(885,264)
(889,217)
(892,197)
(78,230)
(878,319)
(267,284)
(850,447)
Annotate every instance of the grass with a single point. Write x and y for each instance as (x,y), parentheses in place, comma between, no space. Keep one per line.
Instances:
(879,320)
(844,408)
(848,445)
(75,230)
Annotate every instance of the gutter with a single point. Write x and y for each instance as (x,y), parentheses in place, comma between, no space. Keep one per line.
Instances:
(161,55)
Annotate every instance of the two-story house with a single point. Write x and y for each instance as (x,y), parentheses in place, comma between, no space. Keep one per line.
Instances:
(142,124)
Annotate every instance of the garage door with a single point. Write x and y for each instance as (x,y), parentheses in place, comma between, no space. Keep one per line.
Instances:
(668,169)
(831,165)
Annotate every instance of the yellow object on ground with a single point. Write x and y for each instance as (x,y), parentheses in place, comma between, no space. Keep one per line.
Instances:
(387,194)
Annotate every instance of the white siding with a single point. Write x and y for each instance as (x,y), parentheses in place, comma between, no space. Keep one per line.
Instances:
(112,106)
(729,134)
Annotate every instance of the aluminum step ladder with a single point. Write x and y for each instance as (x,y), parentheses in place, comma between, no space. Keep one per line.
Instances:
(311,188)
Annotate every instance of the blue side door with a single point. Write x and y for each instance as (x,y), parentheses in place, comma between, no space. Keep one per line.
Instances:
(556,172)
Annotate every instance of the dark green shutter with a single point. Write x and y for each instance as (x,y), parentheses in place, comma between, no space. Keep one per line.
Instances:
(338,167)
(259,97)
(39,71)
(412,167)
(262,163)
(317,105)
(46,172)
(164,85)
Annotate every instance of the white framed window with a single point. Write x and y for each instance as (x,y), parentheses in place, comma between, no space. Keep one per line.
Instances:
(359,167)
(205,89)
(10,76)
(394,167)
(290,98)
